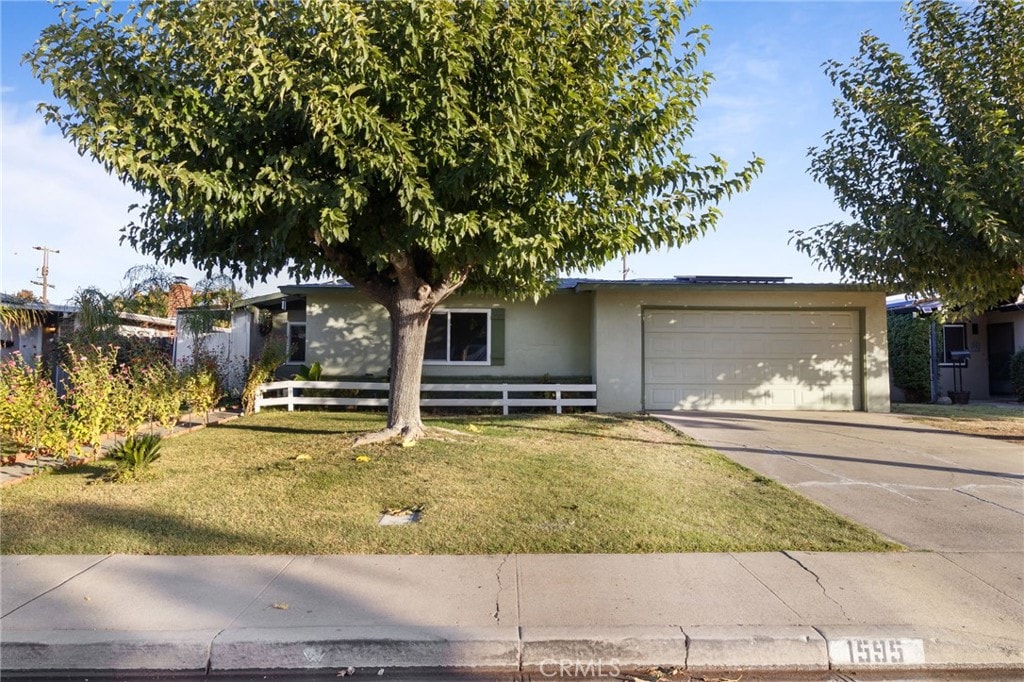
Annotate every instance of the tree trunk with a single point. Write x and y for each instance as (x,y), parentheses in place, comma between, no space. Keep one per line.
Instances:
(409,319)
(409,300)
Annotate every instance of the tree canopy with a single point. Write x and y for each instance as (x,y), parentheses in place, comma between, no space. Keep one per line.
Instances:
(928,158)
(411,147)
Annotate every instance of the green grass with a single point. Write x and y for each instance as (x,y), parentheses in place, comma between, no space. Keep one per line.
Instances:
(993,412)
(560,484)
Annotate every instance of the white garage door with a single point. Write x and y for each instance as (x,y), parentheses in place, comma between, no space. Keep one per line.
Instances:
(751,359)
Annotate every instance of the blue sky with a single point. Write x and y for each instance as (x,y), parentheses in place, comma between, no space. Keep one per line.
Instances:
(770,97)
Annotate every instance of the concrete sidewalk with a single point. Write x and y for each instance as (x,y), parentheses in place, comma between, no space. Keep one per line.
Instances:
(533,614)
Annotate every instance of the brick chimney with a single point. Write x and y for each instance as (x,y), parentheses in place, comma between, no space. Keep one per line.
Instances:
(178,296)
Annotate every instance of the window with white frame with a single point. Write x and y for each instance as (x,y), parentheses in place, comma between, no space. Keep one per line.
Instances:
(296,342)
(954,338)
(459,337)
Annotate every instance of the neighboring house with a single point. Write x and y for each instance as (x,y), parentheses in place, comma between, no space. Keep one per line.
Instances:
(36,339)
(700,343)
(51,322)
(991,339)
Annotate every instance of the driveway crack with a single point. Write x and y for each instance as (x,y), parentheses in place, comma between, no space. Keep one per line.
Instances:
(497,598)
(982,499)
(817,579)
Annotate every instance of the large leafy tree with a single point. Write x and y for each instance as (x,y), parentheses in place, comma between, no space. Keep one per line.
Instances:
(414,148)
(928,158)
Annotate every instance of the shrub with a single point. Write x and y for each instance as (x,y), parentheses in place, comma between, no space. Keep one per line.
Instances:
(134,456)
(262,371)
(910,356)
(31,415)
(312,372)
(129,400)
(1017,374)
(162,386)
(90,388)
(201,389)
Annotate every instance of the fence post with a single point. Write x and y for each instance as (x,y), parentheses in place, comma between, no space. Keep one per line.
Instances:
(558,400)
(504,399)
(258,400)
(290,394)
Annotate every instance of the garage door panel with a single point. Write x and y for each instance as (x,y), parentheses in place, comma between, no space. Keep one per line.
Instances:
(752,360)
(656,321)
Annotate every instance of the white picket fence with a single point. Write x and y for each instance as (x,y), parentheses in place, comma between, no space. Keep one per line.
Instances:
(289,394)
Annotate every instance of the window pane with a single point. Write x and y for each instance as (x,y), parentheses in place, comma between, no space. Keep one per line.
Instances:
(469,337)
(437,337)
(954,337)
(296,343)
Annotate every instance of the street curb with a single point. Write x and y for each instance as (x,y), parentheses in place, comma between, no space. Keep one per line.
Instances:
(866,647)
(508,649)
(548,648)
(51,650)
(298,648)
(762,647)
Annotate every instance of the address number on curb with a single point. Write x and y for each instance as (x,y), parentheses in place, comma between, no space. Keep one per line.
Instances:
(876,651)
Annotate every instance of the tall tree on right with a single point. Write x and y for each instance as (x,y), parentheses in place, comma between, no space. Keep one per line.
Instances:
(928,158)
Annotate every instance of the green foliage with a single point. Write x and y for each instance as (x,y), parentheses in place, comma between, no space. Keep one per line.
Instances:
(30,412)
(102,395)
(910,356)
(929,158)
(1017,374)
(163,389)
(96,319)
(201,387)
(486,142)
(90,389)
(20,318)
(309,373)
(271,357)
(145,291)
(134,455)
(129,407)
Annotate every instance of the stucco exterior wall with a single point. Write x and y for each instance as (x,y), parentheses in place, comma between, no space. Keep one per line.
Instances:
(976,374)
(618,329)
(349,336)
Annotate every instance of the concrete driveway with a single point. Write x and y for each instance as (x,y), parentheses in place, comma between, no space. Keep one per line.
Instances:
(922,487)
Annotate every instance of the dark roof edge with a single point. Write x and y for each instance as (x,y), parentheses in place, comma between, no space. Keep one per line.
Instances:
(583,284)
(592,285)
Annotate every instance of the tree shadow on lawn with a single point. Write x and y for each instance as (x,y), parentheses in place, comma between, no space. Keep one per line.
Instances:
(599,433)
(298,431)
(159,533)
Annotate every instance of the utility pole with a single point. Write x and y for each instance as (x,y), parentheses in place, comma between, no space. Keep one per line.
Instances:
(45,272)
(625,268)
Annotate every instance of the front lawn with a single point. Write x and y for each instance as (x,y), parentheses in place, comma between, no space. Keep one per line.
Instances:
(289,483)
(990,421)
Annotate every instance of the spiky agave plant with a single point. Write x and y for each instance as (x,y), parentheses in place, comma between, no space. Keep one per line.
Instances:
(134,455)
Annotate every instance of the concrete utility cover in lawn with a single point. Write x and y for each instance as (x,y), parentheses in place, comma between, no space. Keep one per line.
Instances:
(923,487)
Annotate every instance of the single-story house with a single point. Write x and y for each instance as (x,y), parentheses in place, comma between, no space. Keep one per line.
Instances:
(687,343)
(35,332)
(991,339)
(49,320)
(36,339)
